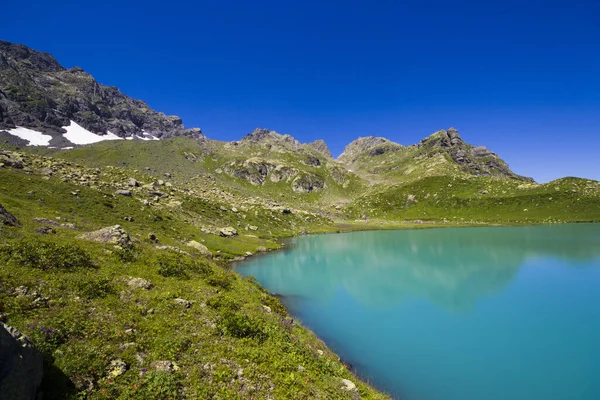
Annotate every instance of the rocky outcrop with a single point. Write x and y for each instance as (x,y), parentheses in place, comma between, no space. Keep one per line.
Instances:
(476,160)
(320,146)
(254,170)
(373,145)
(7,218)
(307,183)
(115,235)
(37,92)
(271,139)
(21,366)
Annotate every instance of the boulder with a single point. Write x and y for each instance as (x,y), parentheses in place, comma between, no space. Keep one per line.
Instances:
(123,192)
(228,232)
(200,247)
(133,183)
(139,283)
(183,302)
(45,230)
(21,368)
(7,218)
(117,368)
(164,366)
(348,385)
(111,235)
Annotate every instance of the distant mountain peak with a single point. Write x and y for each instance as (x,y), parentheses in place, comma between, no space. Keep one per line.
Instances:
(321,147)
(367,143)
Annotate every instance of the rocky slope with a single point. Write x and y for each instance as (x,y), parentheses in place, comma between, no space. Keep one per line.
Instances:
(37,92)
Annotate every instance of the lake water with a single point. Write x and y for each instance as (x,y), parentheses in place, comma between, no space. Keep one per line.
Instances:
(452,314)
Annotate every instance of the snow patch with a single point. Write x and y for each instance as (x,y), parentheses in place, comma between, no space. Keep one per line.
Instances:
(34,138)
(77,134)
(67,148)
(148,136)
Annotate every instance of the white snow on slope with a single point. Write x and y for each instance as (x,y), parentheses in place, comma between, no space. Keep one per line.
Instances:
(148,136)
(35,138)
(77,134)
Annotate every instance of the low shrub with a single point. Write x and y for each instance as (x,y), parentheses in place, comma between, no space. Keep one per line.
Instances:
(241,325)
(93,288)
(221,279)
(46,255)
(175,264)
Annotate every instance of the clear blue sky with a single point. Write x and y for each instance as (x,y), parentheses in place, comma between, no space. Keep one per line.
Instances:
(521,77)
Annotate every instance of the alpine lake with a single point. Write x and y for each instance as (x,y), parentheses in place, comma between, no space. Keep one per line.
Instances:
(453,313)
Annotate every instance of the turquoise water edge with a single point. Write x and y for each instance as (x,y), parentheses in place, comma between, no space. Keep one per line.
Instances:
(458,313)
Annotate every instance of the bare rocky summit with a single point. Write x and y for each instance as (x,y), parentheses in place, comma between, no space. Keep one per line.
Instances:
(37,92)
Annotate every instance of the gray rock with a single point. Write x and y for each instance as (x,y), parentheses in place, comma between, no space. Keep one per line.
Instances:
(348,385)
(228,232)
(133,183)
(45,230)
(123,192)
(139,283)
(164,366)
(200,247)
(183,302)
(21,369)
(62,95)
(7,218)
(307,183)
(115,235)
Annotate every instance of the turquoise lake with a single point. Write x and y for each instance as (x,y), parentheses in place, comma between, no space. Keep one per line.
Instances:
(452,314)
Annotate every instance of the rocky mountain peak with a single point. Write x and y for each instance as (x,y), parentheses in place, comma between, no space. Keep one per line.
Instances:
(444,138)
(477,160)
(18,53)
(364,144)
(321,147)
(269,137)
(36,92)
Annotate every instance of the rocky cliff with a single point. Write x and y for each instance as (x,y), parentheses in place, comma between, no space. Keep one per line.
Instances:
(37,92)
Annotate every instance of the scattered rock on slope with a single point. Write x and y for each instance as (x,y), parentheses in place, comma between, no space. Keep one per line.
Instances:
(200,247)
(111,235)
(228,232)
(7,218)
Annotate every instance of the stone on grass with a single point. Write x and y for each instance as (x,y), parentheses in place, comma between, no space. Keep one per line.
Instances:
(45,230)
(228,232)
(139,283)
(200,247)
(183,302)
(115,235)
(165,366)
(7,218)
(123,192)
(348,385)
(116,368)
(133,182)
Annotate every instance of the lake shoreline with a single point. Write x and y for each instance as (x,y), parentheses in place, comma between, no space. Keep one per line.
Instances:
(345,227)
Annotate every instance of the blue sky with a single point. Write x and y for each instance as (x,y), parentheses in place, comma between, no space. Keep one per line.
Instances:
(521,77)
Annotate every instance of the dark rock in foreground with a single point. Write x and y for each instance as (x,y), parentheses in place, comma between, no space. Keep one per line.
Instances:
(21,366)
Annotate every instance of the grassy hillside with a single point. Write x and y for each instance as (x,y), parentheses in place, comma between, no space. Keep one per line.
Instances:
(142,320)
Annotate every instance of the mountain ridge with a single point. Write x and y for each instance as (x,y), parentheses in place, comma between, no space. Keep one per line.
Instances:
(37,92)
